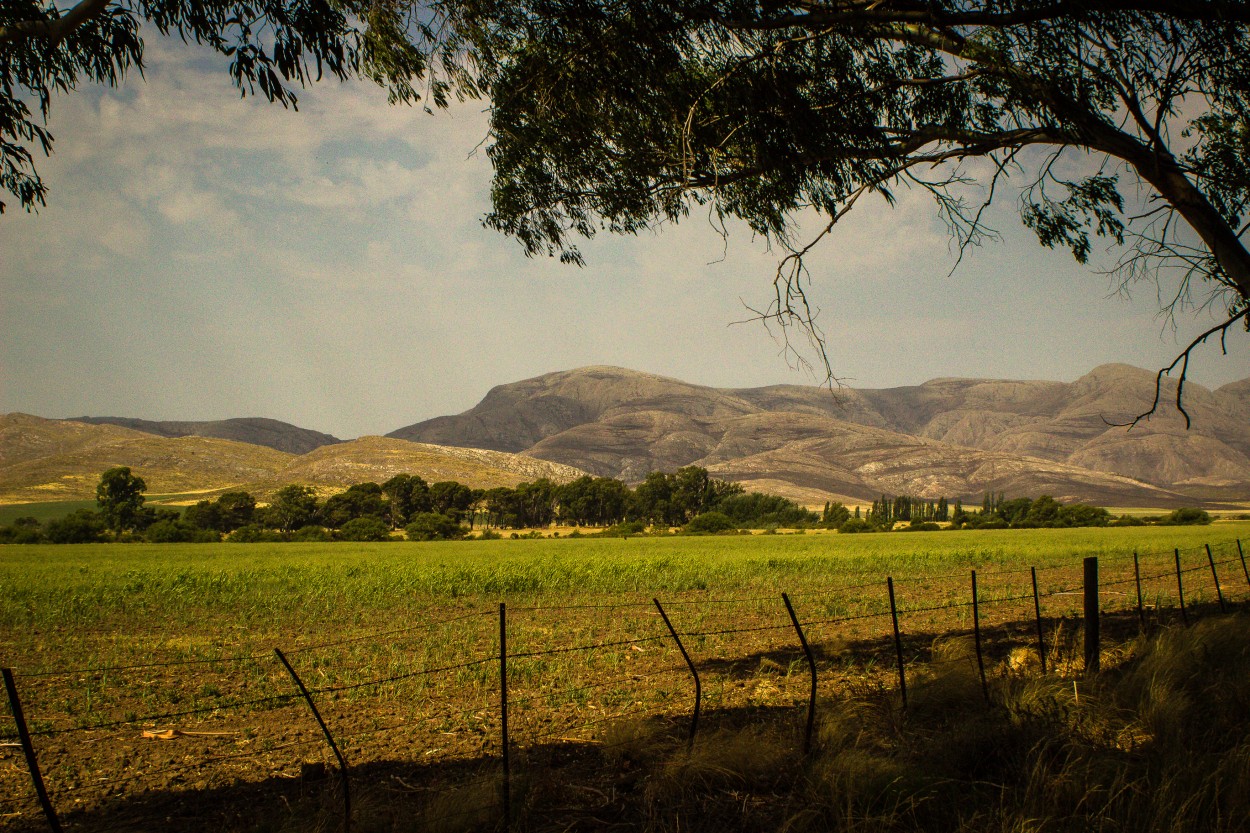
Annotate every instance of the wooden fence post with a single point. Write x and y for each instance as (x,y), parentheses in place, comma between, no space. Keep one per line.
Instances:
(1092,646)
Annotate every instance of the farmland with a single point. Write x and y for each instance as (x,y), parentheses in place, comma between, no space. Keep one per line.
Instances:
(399,644)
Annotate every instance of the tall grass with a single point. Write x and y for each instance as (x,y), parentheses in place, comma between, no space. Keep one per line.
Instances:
(1157,744)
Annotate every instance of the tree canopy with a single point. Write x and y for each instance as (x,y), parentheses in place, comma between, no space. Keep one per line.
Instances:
(1121,119)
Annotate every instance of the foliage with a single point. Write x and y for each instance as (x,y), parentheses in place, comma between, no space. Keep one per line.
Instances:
(362,500)
(120,498)
(365,529)
(226,514)
(1185,516)
(710,523)
(292,507)
(80,527)
(178,531)
(271,46)
(626,116)
(433,526)
(24,530)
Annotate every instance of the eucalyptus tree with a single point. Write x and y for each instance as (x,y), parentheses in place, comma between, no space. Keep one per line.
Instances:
(1120,119)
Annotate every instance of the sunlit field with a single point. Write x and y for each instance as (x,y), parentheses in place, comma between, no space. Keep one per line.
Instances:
(399,644)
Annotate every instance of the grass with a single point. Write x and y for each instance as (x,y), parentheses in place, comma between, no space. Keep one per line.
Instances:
(364,624)
(1157,743)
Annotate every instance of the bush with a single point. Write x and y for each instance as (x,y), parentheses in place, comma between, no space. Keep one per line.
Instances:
(921,526)
(169,531)
(253,534)
(855,525)
(623,530)
(433,526)
(710,523)
(1188,516)
(310,533)
(81,527)
(1127,520)
(22,531)
(365,529)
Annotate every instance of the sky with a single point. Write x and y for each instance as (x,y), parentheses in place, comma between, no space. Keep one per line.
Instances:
(204,256)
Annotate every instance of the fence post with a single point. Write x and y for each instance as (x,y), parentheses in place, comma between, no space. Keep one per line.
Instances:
(347,797)
(1092,646)
(1180,587)
(503,716)
(1242,556)
(28,749)
(1215,576)
(1141,608)
(694,672)
(811,663)
(898,641)
(1037,612)
(976,636)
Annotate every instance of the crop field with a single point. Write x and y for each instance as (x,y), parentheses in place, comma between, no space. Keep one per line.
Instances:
(155,699)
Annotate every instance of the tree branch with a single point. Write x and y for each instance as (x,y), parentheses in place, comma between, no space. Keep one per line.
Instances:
(1183,361)
(54,30)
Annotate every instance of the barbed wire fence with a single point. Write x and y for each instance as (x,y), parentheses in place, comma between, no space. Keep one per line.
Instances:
(451,730)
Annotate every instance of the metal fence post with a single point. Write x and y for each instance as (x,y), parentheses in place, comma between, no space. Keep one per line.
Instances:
(976,636)
(1092,646)
(28,749)
(347,796)
(1037,612)
(1141,608)
(898,641)
(503,716)
(811,663)
(1215,577)
(1180,586)
(694,672)
(1242,556)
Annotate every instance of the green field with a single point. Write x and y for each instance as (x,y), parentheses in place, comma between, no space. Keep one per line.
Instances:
(399,641)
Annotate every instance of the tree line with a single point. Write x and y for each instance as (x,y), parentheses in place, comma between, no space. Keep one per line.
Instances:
(688,499)
(423,511)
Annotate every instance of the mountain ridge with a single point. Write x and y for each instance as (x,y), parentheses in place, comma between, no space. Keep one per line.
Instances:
(950,436)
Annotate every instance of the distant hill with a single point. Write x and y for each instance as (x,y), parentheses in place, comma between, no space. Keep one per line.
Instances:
(280,436)
(56,460)
(953,437)
(947,437)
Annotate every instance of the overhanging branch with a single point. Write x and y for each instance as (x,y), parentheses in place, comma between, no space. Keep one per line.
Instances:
(1183,361)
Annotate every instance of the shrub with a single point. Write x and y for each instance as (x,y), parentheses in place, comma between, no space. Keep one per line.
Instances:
(253,534)
(855,525)
(433,526)
(170,531)
(365,529)
(22,531)
(1186,516)
(81,527)
(710,523)
(622,530)
(310,533)
(921,526)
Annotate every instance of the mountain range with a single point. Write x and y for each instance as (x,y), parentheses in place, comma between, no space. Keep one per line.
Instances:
(947,437)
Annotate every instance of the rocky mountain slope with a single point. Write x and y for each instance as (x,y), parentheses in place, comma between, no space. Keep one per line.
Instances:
(953,437)
(54,460)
